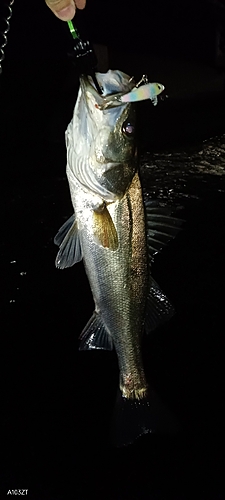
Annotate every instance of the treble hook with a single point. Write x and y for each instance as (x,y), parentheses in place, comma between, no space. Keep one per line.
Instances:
(5,33)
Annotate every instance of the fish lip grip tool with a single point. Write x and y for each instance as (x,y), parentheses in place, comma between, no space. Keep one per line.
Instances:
(83,56)
(86,62)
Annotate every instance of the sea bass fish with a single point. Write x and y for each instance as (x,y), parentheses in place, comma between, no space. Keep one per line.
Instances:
(114,232)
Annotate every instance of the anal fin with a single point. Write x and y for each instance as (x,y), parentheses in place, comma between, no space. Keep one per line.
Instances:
(95,335)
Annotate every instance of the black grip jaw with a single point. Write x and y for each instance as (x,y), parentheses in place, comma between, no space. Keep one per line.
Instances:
(84,59)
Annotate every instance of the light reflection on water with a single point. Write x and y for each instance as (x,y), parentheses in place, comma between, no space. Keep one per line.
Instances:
(179,174)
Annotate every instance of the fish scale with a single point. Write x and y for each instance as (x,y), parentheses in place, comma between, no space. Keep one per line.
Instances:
(118,279)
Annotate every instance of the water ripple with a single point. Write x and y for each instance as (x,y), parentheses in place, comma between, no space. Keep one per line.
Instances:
(179,174)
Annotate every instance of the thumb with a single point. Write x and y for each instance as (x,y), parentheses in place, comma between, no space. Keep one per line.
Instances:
(63,9)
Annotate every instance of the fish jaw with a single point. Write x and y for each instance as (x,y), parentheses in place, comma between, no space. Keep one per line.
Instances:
(114,83)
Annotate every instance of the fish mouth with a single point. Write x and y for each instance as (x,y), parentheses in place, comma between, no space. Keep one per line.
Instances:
(102,101)
(87,85)
(107,100)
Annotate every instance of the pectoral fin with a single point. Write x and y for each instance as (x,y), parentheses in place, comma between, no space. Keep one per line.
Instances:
(69,245)
(105,233)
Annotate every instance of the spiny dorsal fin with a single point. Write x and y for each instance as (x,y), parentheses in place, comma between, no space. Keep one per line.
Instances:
(95,335)
(70,248)
(159,308)
(105,233)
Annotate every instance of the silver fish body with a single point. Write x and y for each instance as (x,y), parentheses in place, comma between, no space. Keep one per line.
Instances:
(118,279)
(117,271)
(111,230)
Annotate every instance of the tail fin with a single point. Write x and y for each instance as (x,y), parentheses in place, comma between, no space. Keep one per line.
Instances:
(134,418)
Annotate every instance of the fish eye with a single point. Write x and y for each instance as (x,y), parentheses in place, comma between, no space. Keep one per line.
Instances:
(128,129)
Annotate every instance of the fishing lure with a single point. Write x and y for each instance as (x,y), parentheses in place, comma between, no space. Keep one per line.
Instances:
(86,62)
(138,93)
(147,91)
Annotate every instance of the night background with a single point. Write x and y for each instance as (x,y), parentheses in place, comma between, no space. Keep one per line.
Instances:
(57,402)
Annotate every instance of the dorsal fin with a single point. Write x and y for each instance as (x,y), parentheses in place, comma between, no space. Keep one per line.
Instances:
(159,309)
(161,226)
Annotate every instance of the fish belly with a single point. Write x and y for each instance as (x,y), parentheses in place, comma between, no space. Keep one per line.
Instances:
(119,280)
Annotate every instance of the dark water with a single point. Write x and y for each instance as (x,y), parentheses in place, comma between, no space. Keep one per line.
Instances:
(56,401)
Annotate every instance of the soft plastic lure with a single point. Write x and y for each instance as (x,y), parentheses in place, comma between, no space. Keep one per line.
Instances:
(147,91)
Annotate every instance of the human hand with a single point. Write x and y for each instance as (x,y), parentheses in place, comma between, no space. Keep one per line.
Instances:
(65,9)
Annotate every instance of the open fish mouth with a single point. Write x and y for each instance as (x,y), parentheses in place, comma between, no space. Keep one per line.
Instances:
(111,89)
(121,90)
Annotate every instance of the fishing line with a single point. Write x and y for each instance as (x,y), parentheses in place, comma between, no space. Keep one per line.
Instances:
(4,34)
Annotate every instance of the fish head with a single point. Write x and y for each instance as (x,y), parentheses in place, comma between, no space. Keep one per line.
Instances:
(105,131)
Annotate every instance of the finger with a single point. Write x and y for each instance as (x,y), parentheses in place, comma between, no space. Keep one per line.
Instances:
(63,9)
(80,4)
